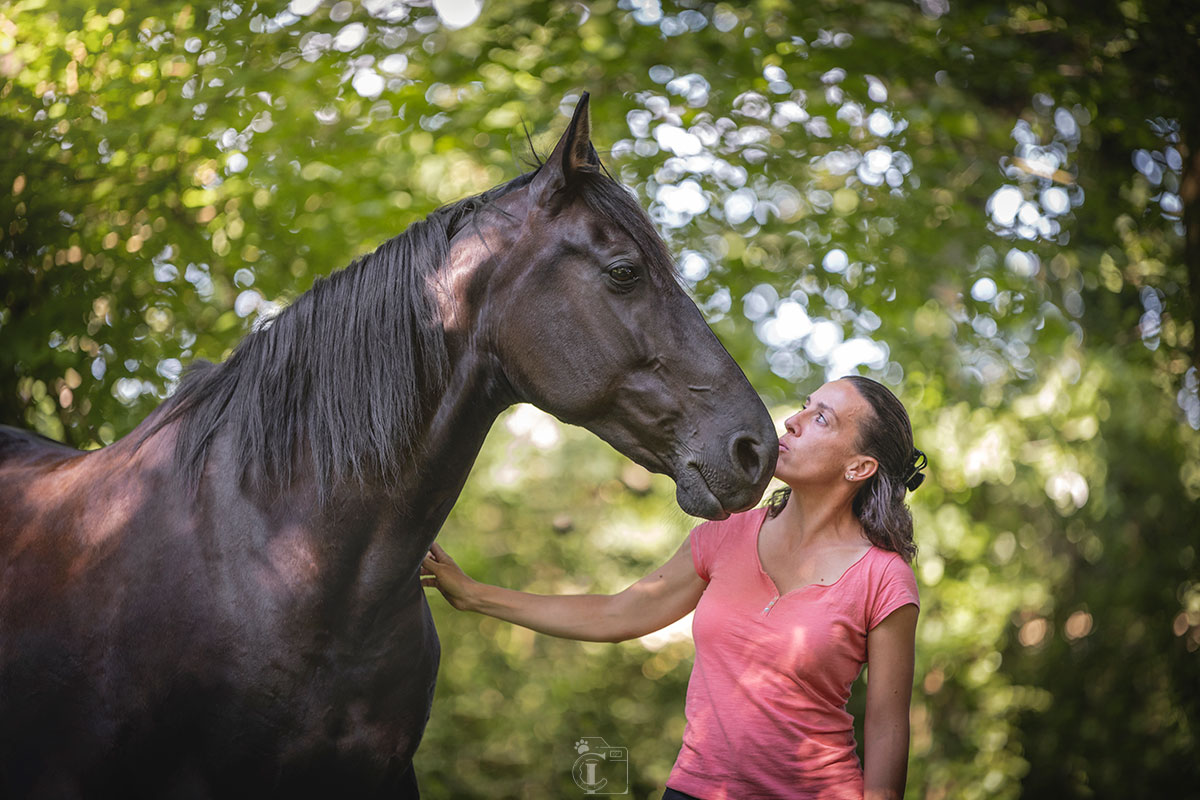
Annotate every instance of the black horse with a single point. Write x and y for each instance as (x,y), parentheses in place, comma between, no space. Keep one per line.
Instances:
(227,602)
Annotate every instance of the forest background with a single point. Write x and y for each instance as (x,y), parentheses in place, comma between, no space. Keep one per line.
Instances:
(993,207)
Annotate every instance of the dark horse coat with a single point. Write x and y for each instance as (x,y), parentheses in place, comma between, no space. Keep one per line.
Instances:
(227,603)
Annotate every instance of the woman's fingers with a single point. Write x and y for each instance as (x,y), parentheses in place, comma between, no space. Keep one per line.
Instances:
(438,571)
(435,558)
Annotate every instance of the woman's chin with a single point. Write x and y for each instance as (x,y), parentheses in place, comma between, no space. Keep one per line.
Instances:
(800,480)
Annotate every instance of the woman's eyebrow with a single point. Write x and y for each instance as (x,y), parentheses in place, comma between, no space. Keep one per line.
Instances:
(829,409)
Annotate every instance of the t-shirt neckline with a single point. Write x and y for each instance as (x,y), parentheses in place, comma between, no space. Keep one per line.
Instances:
(771,581)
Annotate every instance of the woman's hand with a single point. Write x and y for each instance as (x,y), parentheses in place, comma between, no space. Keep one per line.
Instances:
(441,572)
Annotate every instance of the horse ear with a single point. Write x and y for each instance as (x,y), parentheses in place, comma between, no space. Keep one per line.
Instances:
(578,155)
(572,155)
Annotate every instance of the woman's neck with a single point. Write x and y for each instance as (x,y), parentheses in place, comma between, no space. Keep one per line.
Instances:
(820,517)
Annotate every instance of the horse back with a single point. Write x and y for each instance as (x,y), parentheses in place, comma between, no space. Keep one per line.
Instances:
(27,499)
(21,445)
(37,484)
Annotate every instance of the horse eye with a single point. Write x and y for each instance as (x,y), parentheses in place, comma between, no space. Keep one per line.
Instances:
(623,275)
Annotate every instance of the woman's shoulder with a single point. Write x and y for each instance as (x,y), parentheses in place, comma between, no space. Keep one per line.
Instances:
(741,522)
(887,564)
(735,527)
(889,559)
(715,536)
(888,575)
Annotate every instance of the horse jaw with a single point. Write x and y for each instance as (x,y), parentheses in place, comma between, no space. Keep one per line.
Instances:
(705,486)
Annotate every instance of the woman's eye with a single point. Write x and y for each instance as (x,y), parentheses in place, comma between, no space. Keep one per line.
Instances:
(821,418)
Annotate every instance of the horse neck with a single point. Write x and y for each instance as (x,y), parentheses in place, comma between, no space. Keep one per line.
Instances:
(415,451)
(378,535)
(453,434)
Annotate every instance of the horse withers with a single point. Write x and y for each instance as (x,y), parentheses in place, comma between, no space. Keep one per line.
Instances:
(227,601)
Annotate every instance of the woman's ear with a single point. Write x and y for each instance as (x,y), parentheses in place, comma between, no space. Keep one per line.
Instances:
(860,468)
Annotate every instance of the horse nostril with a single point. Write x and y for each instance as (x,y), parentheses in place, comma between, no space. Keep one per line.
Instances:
(746,455)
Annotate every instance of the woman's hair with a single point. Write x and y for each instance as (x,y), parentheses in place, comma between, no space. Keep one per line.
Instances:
(887,437)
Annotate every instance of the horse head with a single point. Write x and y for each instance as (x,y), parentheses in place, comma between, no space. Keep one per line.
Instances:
(569,288)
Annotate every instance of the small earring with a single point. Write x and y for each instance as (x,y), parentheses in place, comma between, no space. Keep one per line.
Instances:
(849,476)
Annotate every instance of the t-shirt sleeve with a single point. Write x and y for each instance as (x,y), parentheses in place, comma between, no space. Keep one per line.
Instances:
(897,587)
(703,542)
(707,539)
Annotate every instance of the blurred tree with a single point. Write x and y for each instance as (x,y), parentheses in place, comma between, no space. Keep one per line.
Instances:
(989,205)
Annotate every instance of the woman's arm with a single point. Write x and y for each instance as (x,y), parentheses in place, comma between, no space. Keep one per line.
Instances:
(654,602)
(890,649)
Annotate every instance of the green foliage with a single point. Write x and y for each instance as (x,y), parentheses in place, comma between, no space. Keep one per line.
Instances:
(833,179)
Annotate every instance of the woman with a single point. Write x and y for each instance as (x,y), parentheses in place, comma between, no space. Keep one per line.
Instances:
(791,600)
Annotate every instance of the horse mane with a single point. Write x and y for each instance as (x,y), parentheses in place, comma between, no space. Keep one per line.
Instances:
(345,372)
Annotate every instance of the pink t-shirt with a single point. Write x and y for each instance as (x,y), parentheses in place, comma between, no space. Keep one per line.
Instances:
(766,703)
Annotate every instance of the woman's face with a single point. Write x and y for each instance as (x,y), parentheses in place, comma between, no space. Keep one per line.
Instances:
(819,443)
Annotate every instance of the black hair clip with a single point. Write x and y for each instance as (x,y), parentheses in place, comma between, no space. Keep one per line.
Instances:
(915,476)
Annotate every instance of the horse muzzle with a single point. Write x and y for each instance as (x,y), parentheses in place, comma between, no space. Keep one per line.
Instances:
(731,481)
